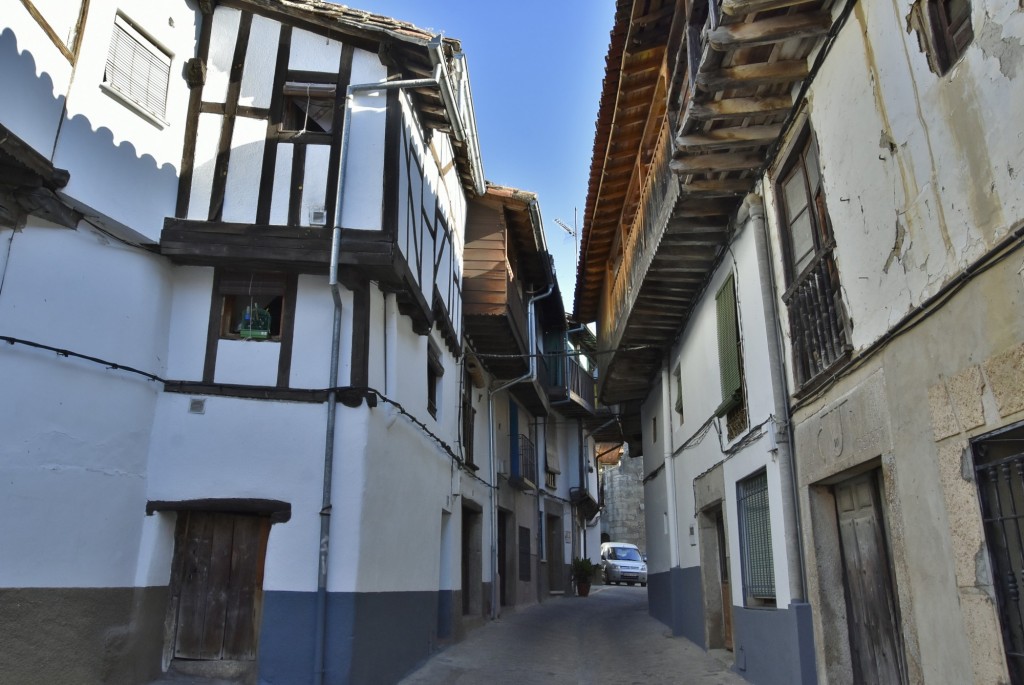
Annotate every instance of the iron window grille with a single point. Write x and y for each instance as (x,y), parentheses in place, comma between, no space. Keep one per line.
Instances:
(756,540)
(137,69)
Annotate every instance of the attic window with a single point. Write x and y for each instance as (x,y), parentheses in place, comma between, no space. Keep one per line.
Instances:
(252,305)
(308,107)
(137,71)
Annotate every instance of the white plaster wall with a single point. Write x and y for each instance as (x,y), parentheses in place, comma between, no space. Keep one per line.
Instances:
(245,167)
(250,449)
(124,167)
(33,67)
(364,166)
(192,290)
(207,142)
(314,186)
(247,362)
(257,85)
(312,52)
(282,185)
(73,458)
(908,219)
(311,342)
(223,36)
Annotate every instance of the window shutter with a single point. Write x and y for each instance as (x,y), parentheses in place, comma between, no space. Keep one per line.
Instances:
(728,346)
(756,537)
(137,69)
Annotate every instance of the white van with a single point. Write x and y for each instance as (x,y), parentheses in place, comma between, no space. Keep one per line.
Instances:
(622,562)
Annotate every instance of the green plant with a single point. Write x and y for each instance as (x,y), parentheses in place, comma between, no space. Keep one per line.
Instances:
(583,570)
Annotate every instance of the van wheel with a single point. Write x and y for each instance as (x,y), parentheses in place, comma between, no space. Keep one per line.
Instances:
(643,584)
(631,583)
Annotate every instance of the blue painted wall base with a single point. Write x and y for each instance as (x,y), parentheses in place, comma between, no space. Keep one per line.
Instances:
(676,598)
(371,637)
(774,646)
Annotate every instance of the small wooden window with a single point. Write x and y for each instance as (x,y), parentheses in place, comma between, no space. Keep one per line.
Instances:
(468,419)
(678,374)
(434,372)
(308,107)
(951,31)
(730,360)
(252,306)
(137,69)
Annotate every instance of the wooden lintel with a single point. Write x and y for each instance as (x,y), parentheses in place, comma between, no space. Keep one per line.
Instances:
(738,108)
(753,75)
(767,31)
(715,163)
(729,137)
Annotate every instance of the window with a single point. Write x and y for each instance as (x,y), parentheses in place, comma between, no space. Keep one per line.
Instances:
(434,372)
(524,553)
(252,305)
(678,373)
(949,32)
(308,107)
(756,541)
(730,360)
(654,429)
(816,313)
(137,71)
(550,480)
(468,419)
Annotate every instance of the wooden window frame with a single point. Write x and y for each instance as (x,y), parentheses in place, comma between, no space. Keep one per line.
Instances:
(435,370)
(948,35)
(819,329)
(225,284)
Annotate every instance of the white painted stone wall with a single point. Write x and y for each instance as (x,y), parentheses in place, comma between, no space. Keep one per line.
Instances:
(696,353)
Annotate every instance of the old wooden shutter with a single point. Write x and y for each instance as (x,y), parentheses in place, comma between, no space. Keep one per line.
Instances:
(728,346)
(756,538)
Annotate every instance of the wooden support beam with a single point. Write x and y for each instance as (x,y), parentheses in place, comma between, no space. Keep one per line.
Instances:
(716,163)
(739,8)
(739,108)
(768,31)
(729,137)
(753,75)
(718,187)
(693,208)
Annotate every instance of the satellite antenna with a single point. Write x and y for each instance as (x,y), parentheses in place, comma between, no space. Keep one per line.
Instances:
(572,231)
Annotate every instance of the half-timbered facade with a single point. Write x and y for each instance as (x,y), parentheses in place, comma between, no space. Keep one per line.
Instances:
(257,214)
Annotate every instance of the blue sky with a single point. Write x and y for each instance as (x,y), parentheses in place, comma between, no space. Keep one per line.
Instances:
(535,68)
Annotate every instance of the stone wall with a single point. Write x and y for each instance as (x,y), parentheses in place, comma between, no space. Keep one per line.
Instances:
(623,516)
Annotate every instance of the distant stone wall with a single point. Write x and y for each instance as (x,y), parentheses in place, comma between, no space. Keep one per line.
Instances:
(623,515)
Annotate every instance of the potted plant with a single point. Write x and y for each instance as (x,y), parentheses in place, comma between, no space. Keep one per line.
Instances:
(583,574)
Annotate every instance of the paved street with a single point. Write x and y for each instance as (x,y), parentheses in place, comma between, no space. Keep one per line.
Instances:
(605,638)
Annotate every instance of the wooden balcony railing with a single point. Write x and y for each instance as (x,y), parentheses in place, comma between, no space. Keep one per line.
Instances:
(817,321)
(657,197)
(580,382)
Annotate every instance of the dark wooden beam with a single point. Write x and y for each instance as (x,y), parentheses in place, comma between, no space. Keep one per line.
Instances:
(718,187)
(768,31)
(753,75)
(739,8)
(716,163)
(732,136)
(739,108)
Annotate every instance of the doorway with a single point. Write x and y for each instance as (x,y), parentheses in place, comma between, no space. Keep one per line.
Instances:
(472,560)
(876,648)
(555,554)
(503,525)
(216,586)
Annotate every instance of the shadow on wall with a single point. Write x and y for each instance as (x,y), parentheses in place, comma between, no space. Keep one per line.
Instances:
(106,177)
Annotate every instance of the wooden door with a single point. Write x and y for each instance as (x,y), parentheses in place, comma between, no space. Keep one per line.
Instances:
(723,569)
(217,586)
(876,647)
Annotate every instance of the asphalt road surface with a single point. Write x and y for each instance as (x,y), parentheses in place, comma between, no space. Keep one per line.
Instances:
(607,637)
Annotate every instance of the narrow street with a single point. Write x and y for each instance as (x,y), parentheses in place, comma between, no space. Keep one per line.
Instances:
(607,637)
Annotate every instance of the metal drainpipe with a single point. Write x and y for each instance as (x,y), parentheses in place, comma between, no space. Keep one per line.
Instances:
(670,472)
(530,375)
(438,81)
(753,207)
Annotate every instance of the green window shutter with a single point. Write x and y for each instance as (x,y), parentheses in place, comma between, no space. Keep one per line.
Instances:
(728,346)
